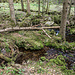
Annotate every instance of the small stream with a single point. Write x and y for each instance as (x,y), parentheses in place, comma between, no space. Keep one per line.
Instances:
(69,37)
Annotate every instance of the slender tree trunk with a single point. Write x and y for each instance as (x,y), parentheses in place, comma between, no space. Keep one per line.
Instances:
(38,6)
(43,8)
(47,6)
(69,9)
(64,19)
(0,1)
(74,13)
(28,7)
(12,12)
(22,5)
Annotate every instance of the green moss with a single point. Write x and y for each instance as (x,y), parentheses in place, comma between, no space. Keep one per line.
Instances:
(57,19)
(35,21)
(59,60)
(72,31)
(34,40)
(35,44)
(0,50)
(43,58)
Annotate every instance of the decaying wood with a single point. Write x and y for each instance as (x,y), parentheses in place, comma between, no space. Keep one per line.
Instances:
(46,33)
(27,28)
(5,58)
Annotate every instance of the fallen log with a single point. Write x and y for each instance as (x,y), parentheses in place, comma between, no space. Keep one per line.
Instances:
(5,58)
(27,28)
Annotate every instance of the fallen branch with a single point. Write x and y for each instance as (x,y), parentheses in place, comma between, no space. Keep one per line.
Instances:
(5,58)
(27,28)
(46,33)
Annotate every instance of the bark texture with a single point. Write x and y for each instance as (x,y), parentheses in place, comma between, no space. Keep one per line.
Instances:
(12,12)
(74,13)
(38,6)
(22,5)
(27,28)
(64,19)
(47,6)
(28,7)
(43,8)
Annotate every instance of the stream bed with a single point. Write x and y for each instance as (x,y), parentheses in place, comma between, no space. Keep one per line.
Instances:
(49,53)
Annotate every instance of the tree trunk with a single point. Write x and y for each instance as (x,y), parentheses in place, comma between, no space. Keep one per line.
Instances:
(47,6)
(28,7)
(43,8)
(22,5)
(38,6)
(69,9)
(12,12)
(64,19)
(0,1)
(74,13)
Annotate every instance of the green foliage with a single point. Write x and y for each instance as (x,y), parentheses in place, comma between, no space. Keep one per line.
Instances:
(0,50)
(0,35)
(7,49)
(40,70)
(73,67)
(43,58)
(1,73)
(59,60)
(20,42)
(35,21)
(57,19)
(47,60)
(52,32)
(72,31)
(67,72)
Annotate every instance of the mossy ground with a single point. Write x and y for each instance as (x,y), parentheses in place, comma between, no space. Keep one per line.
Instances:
(45,66)
(33,40)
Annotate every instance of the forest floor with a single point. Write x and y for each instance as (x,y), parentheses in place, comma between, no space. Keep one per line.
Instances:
(32,51)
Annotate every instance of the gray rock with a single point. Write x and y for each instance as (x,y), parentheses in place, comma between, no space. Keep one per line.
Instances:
(49,23)
(49,19)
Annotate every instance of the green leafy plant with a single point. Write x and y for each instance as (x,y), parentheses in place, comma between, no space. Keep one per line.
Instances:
(43,58)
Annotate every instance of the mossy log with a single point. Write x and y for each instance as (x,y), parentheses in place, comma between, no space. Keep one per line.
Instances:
(5,58)
(11,59)
(27,28)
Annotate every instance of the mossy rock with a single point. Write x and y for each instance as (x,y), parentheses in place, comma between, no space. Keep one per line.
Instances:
(35,45)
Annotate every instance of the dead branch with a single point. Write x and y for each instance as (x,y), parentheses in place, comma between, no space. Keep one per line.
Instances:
(27,28)
(46,33)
